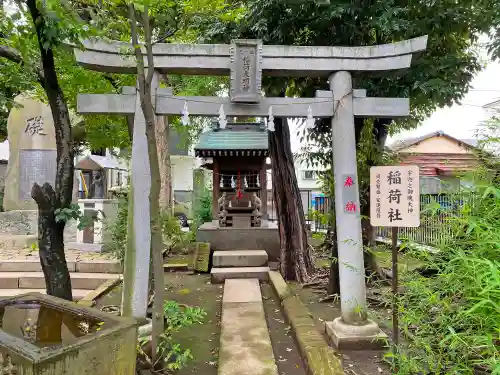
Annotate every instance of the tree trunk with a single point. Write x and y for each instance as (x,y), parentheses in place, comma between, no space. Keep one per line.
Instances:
(165,168)
(331,244)
(145,82)
(295,253)
(51,244)
(51,233)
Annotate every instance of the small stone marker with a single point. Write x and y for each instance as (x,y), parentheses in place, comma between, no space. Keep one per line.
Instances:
(202,257)
(395,196)
(32,154)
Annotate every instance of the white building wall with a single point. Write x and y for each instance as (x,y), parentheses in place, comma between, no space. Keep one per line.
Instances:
(302,170)
(182,172)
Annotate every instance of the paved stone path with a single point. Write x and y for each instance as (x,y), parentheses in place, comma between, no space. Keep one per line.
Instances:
(245,345)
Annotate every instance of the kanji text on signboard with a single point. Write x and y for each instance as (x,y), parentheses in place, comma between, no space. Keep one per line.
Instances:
(395,196)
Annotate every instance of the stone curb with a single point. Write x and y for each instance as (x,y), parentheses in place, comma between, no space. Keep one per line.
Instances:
(319,357)
(89,299)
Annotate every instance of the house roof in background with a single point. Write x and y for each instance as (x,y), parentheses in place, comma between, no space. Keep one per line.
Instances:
(493,104)
(442,164)
(96,162)
(406,143)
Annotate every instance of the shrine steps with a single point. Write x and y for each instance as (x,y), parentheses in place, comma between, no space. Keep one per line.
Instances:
(239,264)
(240,258)
(36,280)
(21,276)
(219,275)
(78,294)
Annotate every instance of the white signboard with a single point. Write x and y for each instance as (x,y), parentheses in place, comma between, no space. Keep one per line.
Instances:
(395,196)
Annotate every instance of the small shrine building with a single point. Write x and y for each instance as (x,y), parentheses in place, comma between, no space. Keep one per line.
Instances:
(238,155)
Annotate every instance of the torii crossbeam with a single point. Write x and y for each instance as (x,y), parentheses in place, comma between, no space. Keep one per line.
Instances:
(246,61)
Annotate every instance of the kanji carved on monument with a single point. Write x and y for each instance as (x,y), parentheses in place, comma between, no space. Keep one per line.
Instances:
(34,125)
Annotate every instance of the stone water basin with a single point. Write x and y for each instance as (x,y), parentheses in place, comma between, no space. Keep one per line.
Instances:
(46,335)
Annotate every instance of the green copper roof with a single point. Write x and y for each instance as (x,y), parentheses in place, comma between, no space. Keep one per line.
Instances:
(232,139)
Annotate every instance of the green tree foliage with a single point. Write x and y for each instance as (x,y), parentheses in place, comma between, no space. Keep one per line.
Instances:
(20,76)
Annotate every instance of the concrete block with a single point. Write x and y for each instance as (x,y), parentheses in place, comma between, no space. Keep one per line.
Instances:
(219,275)
(27,265)
(241,290)
(245,345)
(9,280)
(16,265)
(279,285)
(173,267)
(350,337)
(18,241)
(111,350)
(78,294)
(319,358)
(240,258)
(228,239)
(86,247)
(84,281)
(99,266)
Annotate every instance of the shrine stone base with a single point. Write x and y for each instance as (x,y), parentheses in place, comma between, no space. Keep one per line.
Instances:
(19,229)
(230,238)
(355,337)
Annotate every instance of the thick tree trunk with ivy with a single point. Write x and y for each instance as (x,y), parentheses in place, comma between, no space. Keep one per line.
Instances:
(295,253)
(49,200)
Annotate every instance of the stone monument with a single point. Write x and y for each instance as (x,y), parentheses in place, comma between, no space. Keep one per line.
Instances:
(32,154)
(32,158)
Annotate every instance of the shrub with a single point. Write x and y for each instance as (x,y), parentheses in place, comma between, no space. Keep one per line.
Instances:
(451,320)
(177,317)
(204,213)
(117,231)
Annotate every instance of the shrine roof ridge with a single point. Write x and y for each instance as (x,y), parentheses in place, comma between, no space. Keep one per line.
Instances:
(289,60)
(228,139)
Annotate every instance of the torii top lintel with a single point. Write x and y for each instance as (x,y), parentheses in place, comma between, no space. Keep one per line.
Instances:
(273,60)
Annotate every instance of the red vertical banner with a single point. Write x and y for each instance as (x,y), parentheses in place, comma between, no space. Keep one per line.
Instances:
(349,194)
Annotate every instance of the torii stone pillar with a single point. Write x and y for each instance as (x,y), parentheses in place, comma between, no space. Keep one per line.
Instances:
(352,327)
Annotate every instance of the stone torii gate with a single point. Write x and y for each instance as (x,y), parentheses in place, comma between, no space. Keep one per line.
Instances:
(246,61)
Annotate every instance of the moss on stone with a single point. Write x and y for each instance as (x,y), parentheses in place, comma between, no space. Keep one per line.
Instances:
(319,358)
(280,286)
